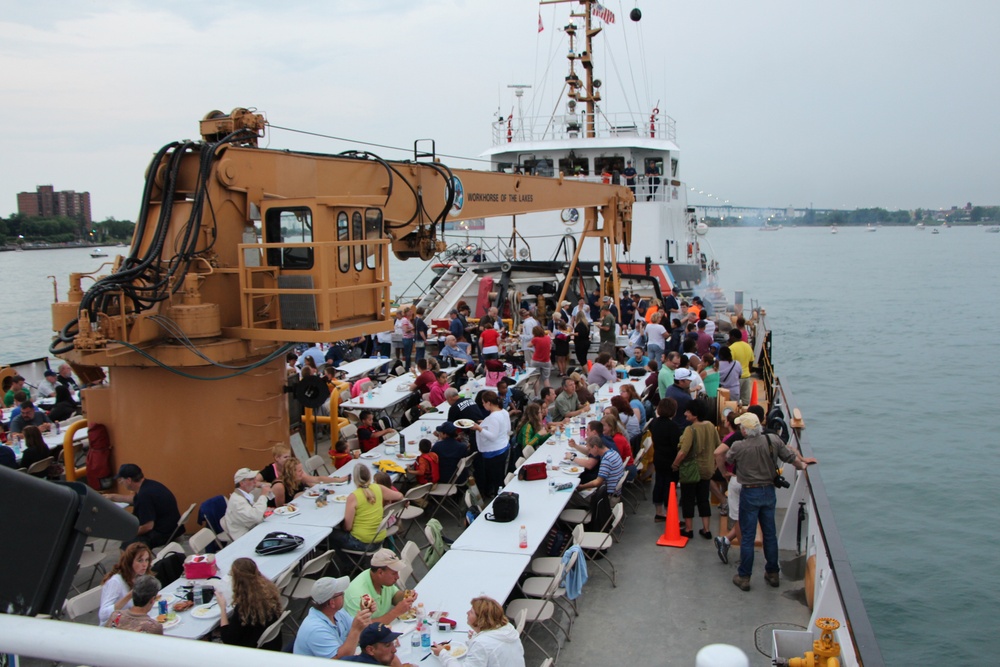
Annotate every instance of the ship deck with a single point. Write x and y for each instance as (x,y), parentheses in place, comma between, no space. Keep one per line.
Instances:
(668,604)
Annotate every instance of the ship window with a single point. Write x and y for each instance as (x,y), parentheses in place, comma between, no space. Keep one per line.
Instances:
(577,166)
(373,230)
(289,225)
(344,252)
(505,167)
(612,164)
(539,167)
(673,167)
(357,234)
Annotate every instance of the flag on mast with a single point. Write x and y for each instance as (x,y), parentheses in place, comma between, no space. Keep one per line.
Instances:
(540,26)
(602,12)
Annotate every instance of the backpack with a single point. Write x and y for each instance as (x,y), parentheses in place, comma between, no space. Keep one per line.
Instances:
(98,456)
(278,543)
(505,508)
(556,541)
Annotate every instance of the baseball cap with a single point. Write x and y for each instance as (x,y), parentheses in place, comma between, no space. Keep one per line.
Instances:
(447,428)
(386,558)
(244,473)
(129,471)
(50,373)
(748,420)
(676,288)
(682,374)
(565,303)
(377,633)
(325,588)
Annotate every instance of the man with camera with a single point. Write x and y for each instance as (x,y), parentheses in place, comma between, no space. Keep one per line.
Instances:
(756,470)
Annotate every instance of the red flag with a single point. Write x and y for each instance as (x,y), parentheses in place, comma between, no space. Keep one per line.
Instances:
(540,26)
(603,13)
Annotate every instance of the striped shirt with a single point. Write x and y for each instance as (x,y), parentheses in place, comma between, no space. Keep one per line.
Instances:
(611,470)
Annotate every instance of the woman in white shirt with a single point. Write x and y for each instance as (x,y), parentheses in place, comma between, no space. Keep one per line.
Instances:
(116,589)
(656,338)
(493,442)
(493,641)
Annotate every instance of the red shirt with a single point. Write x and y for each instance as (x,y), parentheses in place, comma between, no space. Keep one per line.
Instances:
(543,348)
(624,449)
(489,337)
(424,381)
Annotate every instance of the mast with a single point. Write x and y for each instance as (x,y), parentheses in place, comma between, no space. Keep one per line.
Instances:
(578,90)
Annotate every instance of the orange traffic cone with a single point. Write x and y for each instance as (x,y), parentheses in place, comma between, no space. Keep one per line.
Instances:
(753,393)
(671,530)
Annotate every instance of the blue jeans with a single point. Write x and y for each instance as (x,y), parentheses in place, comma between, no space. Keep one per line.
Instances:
(757,504)
(407,352)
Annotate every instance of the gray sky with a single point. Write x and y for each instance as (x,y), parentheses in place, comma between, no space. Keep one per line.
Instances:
(840,104)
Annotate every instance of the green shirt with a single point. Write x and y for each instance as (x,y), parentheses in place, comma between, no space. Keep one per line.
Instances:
(609,335)
(363,584)
(664,379)
(563,405)
(8,398)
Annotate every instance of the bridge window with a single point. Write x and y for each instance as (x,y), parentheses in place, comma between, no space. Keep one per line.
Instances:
(343,234)
(289,225)
(612,164)
(358,234)
(576,166)
(373,230)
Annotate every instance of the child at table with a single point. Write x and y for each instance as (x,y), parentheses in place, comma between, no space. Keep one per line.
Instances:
(425,468)
(339,455)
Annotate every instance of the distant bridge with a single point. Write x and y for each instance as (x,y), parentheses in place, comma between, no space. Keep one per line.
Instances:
(788,212)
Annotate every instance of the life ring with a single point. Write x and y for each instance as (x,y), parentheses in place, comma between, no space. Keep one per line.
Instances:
(778,425)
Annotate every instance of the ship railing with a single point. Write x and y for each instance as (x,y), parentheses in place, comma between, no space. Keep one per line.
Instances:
(80,644)
(575,126)
(809,529)
(647,188)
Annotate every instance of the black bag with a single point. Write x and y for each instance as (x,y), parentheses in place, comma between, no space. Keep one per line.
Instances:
(556,541)
(170,568)
(505,508)
(278,543)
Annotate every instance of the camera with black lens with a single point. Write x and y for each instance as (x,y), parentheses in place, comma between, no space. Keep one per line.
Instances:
(780,482)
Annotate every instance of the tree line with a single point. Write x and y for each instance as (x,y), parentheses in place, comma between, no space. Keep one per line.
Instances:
(61,229)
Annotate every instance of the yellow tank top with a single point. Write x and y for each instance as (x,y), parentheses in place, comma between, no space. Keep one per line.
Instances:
(367,516)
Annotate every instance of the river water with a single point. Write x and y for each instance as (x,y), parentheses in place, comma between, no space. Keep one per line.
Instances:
(889,343)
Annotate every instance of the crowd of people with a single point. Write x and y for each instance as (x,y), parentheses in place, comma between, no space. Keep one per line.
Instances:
(25,420)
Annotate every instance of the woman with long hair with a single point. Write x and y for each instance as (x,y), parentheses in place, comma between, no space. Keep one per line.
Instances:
(613,429)
(666,434)
(256,605)
(560,343)
(295,480)
(35,449)
(272,473)
(531,431)
(581,337)
(631,396)
(629,421)
(493,641)
(116,588)
(65,407)
(364,509)
(493,441)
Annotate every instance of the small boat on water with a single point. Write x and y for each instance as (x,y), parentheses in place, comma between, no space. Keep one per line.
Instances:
(920,227)
(935,231)
(833,229)
(871,228)
(98,252)
(995,229)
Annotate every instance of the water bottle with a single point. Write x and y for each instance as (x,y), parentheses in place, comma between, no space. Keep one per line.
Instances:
(425,637)
(551,486)
(548,461)
(58,429)
(415,637)
(566,432)
(523,537)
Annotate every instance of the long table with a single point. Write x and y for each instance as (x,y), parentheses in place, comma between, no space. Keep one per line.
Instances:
(359,367)
(191,627)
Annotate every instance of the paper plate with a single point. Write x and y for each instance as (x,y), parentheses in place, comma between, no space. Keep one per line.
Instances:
(464,423)
(458,650)
(370,455)
(204,611)
(571,470)
(286,510)
(408,457)
(338,499)
(169,624)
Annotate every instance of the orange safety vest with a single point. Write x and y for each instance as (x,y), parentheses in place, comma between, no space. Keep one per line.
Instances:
(649,313)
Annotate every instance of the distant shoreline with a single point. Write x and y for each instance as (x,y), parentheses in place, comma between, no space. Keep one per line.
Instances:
(14,248)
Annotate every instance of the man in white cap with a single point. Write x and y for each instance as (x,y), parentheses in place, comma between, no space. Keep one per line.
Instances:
(379,583)
(680,391)
(755,458)
(328,630)
(244,511)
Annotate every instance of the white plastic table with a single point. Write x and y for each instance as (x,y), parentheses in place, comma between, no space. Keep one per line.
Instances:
(359,367)
(392,391)
(451,584)
(270,566)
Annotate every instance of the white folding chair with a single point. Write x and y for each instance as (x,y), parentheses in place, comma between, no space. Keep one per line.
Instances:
(539,587)
(200,540)
(172,548)
(84,603)
(302,588)
(315,464)
(541,613)
(179,530)
(508,478)
(357,557)
(546,565)
(598,543)
(519,461)
(90,559)
(272,630)
(442,493)
(519,621)
(527,451)
(39,468)
(413,511)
